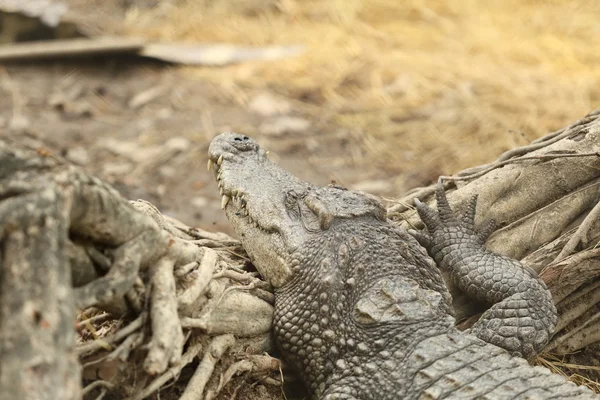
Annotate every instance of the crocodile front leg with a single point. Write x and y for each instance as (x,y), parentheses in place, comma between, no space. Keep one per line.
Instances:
(522,317)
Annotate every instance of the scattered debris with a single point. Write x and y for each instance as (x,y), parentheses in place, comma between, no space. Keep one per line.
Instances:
(68,47)
(215,54)
(34,29)
(78,155)
(372,186)
(199,202)
(211,55)
(145,97)
(285,124)
(47,11)
(267,105)
(19,123)
(22,21)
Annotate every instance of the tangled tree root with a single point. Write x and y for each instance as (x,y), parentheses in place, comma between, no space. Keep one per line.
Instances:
(155,296)
(165,309)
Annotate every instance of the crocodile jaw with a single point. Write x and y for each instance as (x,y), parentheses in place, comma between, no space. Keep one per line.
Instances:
(253,192)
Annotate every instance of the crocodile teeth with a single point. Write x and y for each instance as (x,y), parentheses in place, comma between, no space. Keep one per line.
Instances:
(224,201)
(210,164)
(221,190)
(220,160)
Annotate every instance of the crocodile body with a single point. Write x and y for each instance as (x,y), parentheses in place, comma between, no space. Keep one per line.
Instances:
(362,310)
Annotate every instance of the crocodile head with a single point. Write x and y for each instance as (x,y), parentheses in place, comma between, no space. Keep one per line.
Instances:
(273,212)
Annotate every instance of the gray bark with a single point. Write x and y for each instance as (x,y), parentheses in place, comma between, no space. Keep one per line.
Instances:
(69,242)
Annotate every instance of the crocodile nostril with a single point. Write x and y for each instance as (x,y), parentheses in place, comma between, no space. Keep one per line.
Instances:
(237,139)
(246,138)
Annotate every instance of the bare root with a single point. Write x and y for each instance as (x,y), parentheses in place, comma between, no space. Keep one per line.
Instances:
(151,273)
(196,385)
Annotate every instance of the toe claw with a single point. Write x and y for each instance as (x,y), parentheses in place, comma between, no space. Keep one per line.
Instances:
(428,215)
(423,238)
(443,206)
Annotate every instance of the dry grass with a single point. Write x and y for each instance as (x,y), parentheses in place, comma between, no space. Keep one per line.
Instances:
(434,86)
(573,372)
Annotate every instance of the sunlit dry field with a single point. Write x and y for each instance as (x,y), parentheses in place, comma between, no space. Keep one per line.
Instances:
(433,86)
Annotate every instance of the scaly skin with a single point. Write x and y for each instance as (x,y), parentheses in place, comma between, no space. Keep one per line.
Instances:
(361,309)
(523,315)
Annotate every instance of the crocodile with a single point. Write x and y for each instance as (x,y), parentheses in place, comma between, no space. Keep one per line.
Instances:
(361,308)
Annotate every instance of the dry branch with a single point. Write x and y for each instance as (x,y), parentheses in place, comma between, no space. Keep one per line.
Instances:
(151,273)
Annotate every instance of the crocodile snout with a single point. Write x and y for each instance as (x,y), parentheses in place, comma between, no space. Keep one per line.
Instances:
(231,143)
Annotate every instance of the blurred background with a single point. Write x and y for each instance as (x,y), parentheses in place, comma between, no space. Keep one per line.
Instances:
(377,95)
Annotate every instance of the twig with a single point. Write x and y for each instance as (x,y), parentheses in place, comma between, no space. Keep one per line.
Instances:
(98,318)
(498,164)
(185,269)
(506,158)
(167,336)
(564,277)
(254,363)
(591,116)
(102,394)
(194,323)
(580,234)
(122,351)
(197,233)
(215,243)
(203,321)
(576,304)
(201,278)
(215,351)
(135,294)
(264,295)
(418,193)
(128,259)
(191,353)
(241,277)
(101,343)
(579,337)
(96,384)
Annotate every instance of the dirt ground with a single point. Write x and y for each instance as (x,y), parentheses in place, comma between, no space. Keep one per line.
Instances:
(145,126)
(158,152)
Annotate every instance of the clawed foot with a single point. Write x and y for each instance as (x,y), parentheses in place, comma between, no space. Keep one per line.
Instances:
(523,316)
(444,228)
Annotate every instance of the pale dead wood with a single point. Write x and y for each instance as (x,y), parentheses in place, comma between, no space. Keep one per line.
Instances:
(217,347)
(69,47)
